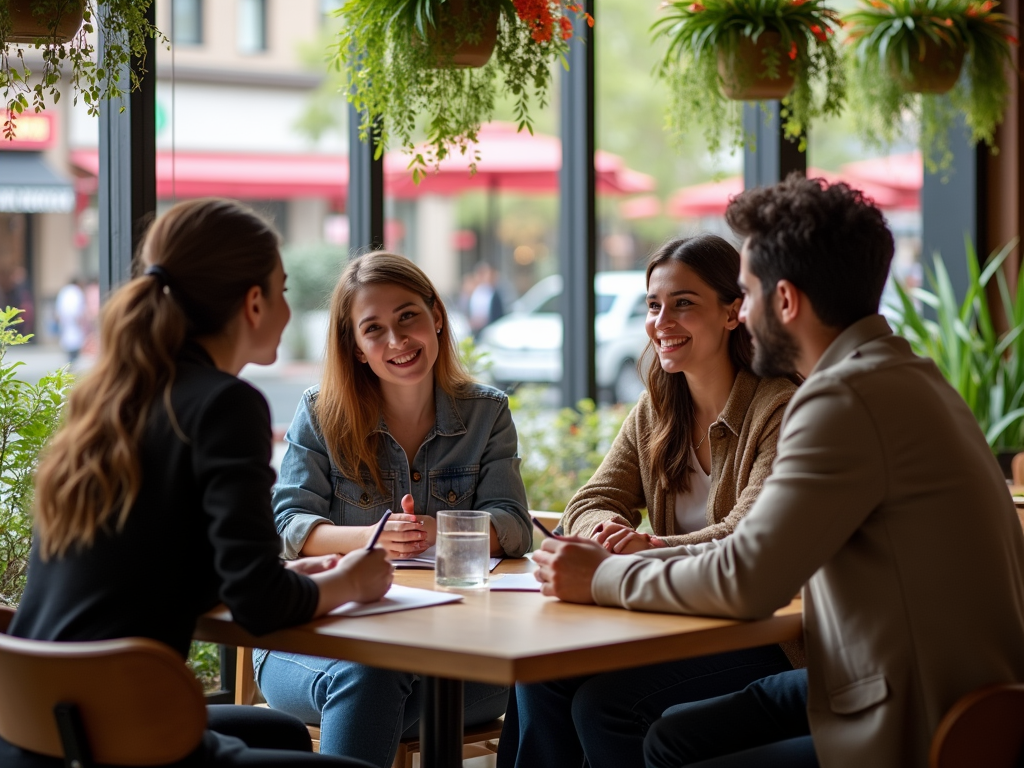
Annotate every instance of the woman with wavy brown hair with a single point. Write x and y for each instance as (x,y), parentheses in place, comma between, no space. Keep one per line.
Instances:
(153,499)
(694,452)
(396,423)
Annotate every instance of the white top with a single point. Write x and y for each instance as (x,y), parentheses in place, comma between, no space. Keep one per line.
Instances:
(692,507)
(70,311)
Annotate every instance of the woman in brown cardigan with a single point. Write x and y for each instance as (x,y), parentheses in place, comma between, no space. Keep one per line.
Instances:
(694,452)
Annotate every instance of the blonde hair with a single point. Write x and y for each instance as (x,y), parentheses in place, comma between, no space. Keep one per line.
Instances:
(350,401)
(210,252)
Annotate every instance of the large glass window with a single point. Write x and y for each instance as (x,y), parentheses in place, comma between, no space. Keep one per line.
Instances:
(252,26)
(187,22)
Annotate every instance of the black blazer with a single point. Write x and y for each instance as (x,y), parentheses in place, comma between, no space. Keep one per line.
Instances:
(201,531)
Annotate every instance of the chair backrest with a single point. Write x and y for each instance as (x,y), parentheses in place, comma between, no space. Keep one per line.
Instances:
(986,727)
(139,704)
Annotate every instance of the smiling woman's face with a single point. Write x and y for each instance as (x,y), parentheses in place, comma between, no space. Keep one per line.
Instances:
(395,333)
(686,322)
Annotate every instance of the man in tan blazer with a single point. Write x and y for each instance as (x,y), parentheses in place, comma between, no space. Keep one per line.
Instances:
(885,504)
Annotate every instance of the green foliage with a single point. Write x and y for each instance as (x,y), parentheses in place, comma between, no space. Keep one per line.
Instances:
(313,270)
(698,31)
(889,34)
(125,30)
(477,361)
(29,414)
(393,76)
(562,452)
(204,661)
(986,367)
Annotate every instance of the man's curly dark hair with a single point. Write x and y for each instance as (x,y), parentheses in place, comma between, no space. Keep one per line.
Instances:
(827,239)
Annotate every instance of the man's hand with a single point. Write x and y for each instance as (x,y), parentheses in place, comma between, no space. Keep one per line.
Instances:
(567,566)
(310,565)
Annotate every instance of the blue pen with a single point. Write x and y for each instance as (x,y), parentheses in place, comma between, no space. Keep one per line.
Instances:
(379,530)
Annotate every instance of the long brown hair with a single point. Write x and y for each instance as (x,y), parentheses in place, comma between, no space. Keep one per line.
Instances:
(350,402)
(718,264)
(209,252)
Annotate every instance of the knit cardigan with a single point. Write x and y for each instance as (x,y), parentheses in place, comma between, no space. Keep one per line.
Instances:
(743,443)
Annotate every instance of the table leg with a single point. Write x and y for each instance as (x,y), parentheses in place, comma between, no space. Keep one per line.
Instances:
(441,723)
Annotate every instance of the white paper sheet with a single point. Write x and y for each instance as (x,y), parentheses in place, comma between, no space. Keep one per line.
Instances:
(428,559)
(514,582)
(398,598)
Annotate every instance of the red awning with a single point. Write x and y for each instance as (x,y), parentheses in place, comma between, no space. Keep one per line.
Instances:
(248,177)
(510,161)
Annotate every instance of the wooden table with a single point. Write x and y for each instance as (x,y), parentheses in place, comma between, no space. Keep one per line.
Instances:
(502,637)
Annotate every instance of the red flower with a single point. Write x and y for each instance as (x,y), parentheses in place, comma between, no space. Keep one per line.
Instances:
(816,31)
(696,8)
(879,4)
(566,27)
(536,14)
(1012,40)
(590,20)
(948,22)
(798,2)
(792,51)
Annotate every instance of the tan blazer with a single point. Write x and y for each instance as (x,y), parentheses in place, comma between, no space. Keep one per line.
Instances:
(886,501)
(742,451)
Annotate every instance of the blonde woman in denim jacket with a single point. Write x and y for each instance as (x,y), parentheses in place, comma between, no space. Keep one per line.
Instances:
(396,423)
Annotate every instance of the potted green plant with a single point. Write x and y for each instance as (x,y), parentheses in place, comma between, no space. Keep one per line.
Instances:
(723,51)
(407,58)
(983,363)
(63,32)
(933,59)
(29,414)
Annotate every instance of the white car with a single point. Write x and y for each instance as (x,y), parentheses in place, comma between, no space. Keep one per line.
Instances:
(526,344)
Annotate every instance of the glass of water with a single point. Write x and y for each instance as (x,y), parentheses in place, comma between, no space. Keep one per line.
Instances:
(463,549)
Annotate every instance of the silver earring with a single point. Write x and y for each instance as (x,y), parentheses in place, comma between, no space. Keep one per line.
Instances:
(438,331)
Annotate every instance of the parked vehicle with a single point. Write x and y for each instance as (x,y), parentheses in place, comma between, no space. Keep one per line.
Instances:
(526,344)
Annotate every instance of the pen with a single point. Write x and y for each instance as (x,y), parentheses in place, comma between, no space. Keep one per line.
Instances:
(379,530)
(543,530)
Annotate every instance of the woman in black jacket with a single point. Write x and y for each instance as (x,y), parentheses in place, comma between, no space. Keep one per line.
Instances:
(153,500)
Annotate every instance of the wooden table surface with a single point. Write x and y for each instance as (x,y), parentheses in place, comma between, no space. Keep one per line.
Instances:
(503,637)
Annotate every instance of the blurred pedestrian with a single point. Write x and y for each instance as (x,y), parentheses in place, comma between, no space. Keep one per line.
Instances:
(72,319)
(485,304)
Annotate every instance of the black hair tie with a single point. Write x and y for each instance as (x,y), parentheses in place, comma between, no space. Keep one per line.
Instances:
(161,276)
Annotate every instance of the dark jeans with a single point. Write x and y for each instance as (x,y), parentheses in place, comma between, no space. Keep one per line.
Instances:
(603,718)
(762,726)
(247,737)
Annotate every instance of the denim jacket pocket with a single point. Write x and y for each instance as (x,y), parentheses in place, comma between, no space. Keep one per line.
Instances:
(362,503)
(454,487)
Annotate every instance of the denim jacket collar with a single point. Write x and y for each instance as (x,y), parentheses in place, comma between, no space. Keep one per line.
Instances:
(447,421)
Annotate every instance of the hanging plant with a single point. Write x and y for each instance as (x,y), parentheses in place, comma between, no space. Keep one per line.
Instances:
(62,30)
(409,58)
(723,51)
(931,59)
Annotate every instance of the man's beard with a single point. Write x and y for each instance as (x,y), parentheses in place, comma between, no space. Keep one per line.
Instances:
(775,349)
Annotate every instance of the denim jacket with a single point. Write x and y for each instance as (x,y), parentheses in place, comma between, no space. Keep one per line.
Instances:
(467,461)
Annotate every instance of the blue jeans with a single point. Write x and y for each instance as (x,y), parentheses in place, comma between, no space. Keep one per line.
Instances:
(763,726)
(604,718)
(362,711)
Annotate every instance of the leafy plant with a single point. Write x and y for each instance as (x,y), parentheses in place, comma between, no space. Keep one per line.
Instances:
(29,414)
(985,366)
(560,454)
(698,32)
(125,30)
(394,75)
(204,661)
(890,36)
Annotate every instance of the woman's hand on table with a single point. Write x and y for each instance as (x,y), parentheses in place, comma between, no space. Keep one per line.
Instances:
(566,567)
(404,534)
(363,576)
(621,539)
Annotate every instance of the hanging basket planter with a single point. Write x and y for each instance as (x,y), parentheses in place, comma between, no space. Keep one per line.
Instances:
(934,61)
(465,34)
(742,69)
(722,52)
(935,72)
(57,24)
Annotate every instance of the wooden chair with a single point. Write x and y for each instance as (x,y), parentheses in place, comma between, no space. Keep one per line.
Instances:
(1017,469)
(984,728)
(486,734)
(117,702)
